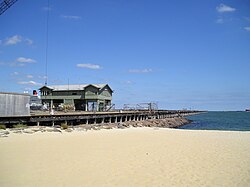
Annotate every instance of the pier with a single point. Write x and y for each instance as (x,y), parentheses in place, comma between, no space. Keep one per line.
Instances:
(76,118)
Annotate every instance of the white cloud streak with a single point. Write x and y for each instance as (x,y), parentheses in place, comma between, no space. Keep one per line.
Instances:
(222,8)
(25,60)
(128,82)
(13,40)
(140,70)
(28,41)
(12,64)
(15,73)
(247,29)
(71,17)
(42,77)
(33,83)
(30,76)
(89,66)
(219,20)
(47,8)
(247,18)
(19,62)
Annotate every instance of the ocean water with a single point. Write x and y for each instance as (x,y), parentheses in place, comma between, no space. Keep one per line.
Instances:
(231,121)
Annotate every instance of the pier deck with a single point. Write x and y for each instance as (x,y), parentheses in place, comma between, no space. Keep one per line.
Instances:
(75,118)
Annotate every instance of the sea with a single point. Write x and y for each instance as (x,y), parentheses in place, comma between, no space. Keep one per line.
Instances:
(227,121)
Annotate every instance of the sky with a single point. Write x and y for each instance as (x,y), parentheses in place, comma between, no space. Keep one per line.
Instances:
(179,54)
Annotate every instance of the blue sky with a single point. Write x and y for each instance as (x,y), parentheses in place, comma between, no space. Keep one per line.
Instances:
(180,54)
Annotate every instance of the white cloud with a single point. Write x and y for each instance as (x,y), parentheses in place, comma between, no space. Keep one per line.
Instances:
(222,8)
(13,40)
(128,82)
(140,70)
(12,64)
(219,20)
(25,60)
(247,18)
(247,29)
(19,62)
(28,41)
(89,66)
(47,8)
(71,17)
(29,76)
(42,77)
(33,83)
(15,73)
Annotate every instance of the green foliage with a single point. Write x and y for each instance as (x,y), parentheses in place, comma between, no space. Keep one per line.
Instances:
(20,125)
(2,126)
(64,125)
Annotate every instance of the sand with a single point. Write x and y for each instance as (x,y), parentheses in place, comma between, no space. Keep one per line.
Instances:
(128,157)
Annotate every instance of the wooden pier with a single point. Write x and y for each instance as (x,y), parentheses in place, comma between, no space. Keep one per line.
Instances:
(76,118)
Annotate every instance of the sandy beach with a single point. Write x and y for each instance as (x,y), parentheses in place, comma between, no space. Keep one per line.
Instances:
(127,157)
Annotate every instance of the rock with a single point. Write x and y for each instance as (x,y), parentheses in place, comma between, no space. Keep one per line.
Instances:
(35,129)
(57,126)
(106,127)
(120,126)
(80,129)
(3,136)
(57,130)
(140,124)
(28,131)
(68,130)
(95,128)
(4,132)
(49,129)
(86,127)
(17,131)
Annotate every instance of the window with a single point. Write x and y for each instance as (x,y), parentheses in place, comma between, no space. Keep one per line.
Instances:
(74,93)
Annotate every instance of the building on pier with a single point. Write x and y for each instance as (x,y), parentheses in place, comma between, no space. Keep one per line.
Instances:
(14,104)
(87,97)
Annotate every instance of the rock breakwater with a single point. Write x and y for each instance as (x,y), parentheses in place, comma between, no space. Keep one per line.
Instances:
(154,123)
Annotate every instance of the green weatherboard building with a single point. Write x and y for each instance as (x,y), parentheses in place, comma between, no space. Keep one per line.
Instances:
(87,97)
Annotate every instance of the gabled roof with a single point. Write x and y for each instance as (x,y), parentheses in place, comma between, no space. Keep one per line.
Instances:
(73,87)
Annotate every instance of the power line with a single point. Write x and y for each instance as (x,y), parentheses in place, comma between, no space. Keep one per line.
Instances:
(47,45)
(5,5)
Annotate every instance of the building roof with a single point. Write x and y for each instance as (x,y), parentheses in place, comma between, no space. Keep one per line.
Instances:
(73,87)
(14,93)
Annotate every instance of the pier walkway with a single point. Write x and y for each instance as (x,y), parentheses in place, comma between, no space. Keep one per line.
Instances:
(75,118)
